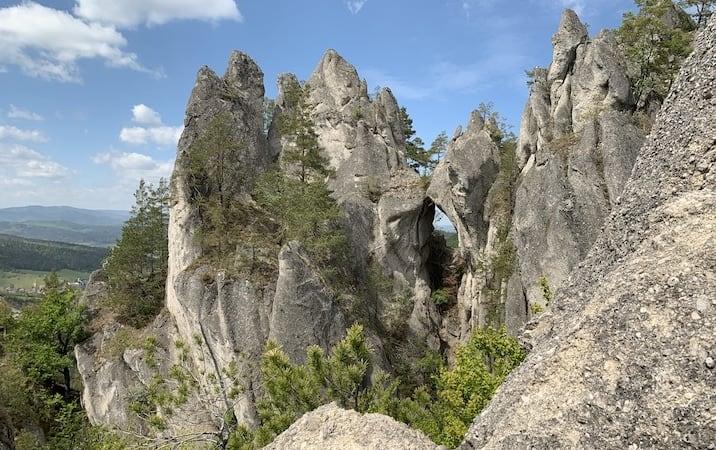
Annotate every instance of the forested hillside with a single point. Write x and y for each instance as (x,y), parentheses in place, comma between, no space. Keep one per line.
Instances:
(63,231)
(28,254)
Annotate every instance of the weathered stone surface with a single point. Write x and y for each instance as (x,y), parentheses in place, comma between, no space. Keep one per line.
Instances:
(459,187)
(577,144)
(622,360)
(333,428)
(303,312)
(388,222)
(113,370)
(571,34)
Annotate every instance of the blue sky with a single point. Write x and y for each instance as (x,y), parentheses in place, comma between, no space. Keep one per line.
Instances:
(92,92)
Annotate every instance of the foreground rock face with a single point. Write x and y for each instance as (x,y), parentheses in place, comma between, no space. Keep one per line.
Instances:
(332,428)
(626,358)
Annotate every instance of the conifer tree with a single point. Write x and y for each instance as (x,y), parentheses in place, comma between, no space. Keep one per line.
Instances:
(136,268)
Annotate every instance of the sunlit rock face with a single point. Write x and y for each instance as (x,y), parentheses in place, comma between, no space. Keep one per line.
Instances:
(577,145)
(625,358)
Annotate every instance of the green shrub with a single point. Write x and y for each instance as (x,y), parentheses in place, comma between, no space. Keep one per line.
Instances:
(441,297)
(462,391)
(547,293)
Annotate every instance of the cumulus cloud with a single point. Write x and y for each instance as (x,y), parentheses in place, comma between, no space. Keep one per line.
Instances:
(145,115)
(17,134)
(17,163)
(130,13)
(154,131)
(47,43)
(134,165)
(354,6)
(24,114)
(162,136)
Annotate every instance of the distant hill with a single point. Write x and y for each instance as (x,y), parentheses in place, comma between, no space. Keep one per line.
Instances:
(63,214)
(99,228)
(29,254)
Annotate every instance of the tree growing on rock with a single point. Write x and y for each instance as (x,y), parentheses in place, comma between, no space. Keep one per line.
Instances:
(654,48)
(423,160)
(297,195)
(701,10)
(137,265)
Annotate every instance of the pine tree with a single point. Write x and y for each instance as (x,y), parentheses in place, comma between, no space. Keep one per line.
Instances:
(136,268)
(298,196)
(701,10)
(423,160)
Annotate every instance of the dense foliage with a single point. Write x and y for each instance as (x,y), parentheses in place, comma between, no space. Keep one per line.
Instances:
(443,408)
(654,47)
(39,396)
(136,268)
(27,254)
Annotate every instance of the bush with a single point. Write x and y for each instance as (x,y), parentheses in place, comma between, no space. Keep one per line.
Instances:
(462,391)
(443,407)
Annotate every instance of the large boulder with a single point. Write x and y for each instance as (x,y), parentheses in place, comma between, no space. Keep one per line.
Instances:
(625,359)
(333,428)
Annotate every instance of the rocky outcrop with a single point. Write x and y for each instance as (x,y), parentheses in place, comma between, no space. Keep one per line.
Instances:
(220,320)
(459,187)
(577,145)
(333,428)
(625,359)
(388,221)
(576,148)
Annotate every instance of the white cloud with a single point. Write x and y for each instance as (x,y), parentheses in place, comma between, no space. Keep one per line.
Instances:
(18,162)
(47,43)
(130,13)
(162,136)
(155,133)
(135,165)
(354,6)
(17,134)
(145,115)
(24,114)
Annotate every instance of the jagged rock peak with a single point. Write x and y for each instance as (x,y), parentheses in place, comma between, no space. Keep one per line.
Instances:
(477,122)
(244,75)
(569,36)
(338,77)
(637,317)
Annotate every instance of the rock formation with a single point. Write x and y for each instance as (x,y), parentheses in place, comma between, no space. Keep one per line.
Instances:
(459,187)
(649,279)
(333,428)
(576,148)
(626,357)
(578,142)
(216,320)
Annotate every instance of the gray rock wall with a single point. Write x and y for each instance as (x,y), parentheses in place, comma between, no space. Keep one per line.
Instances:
(625,359)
